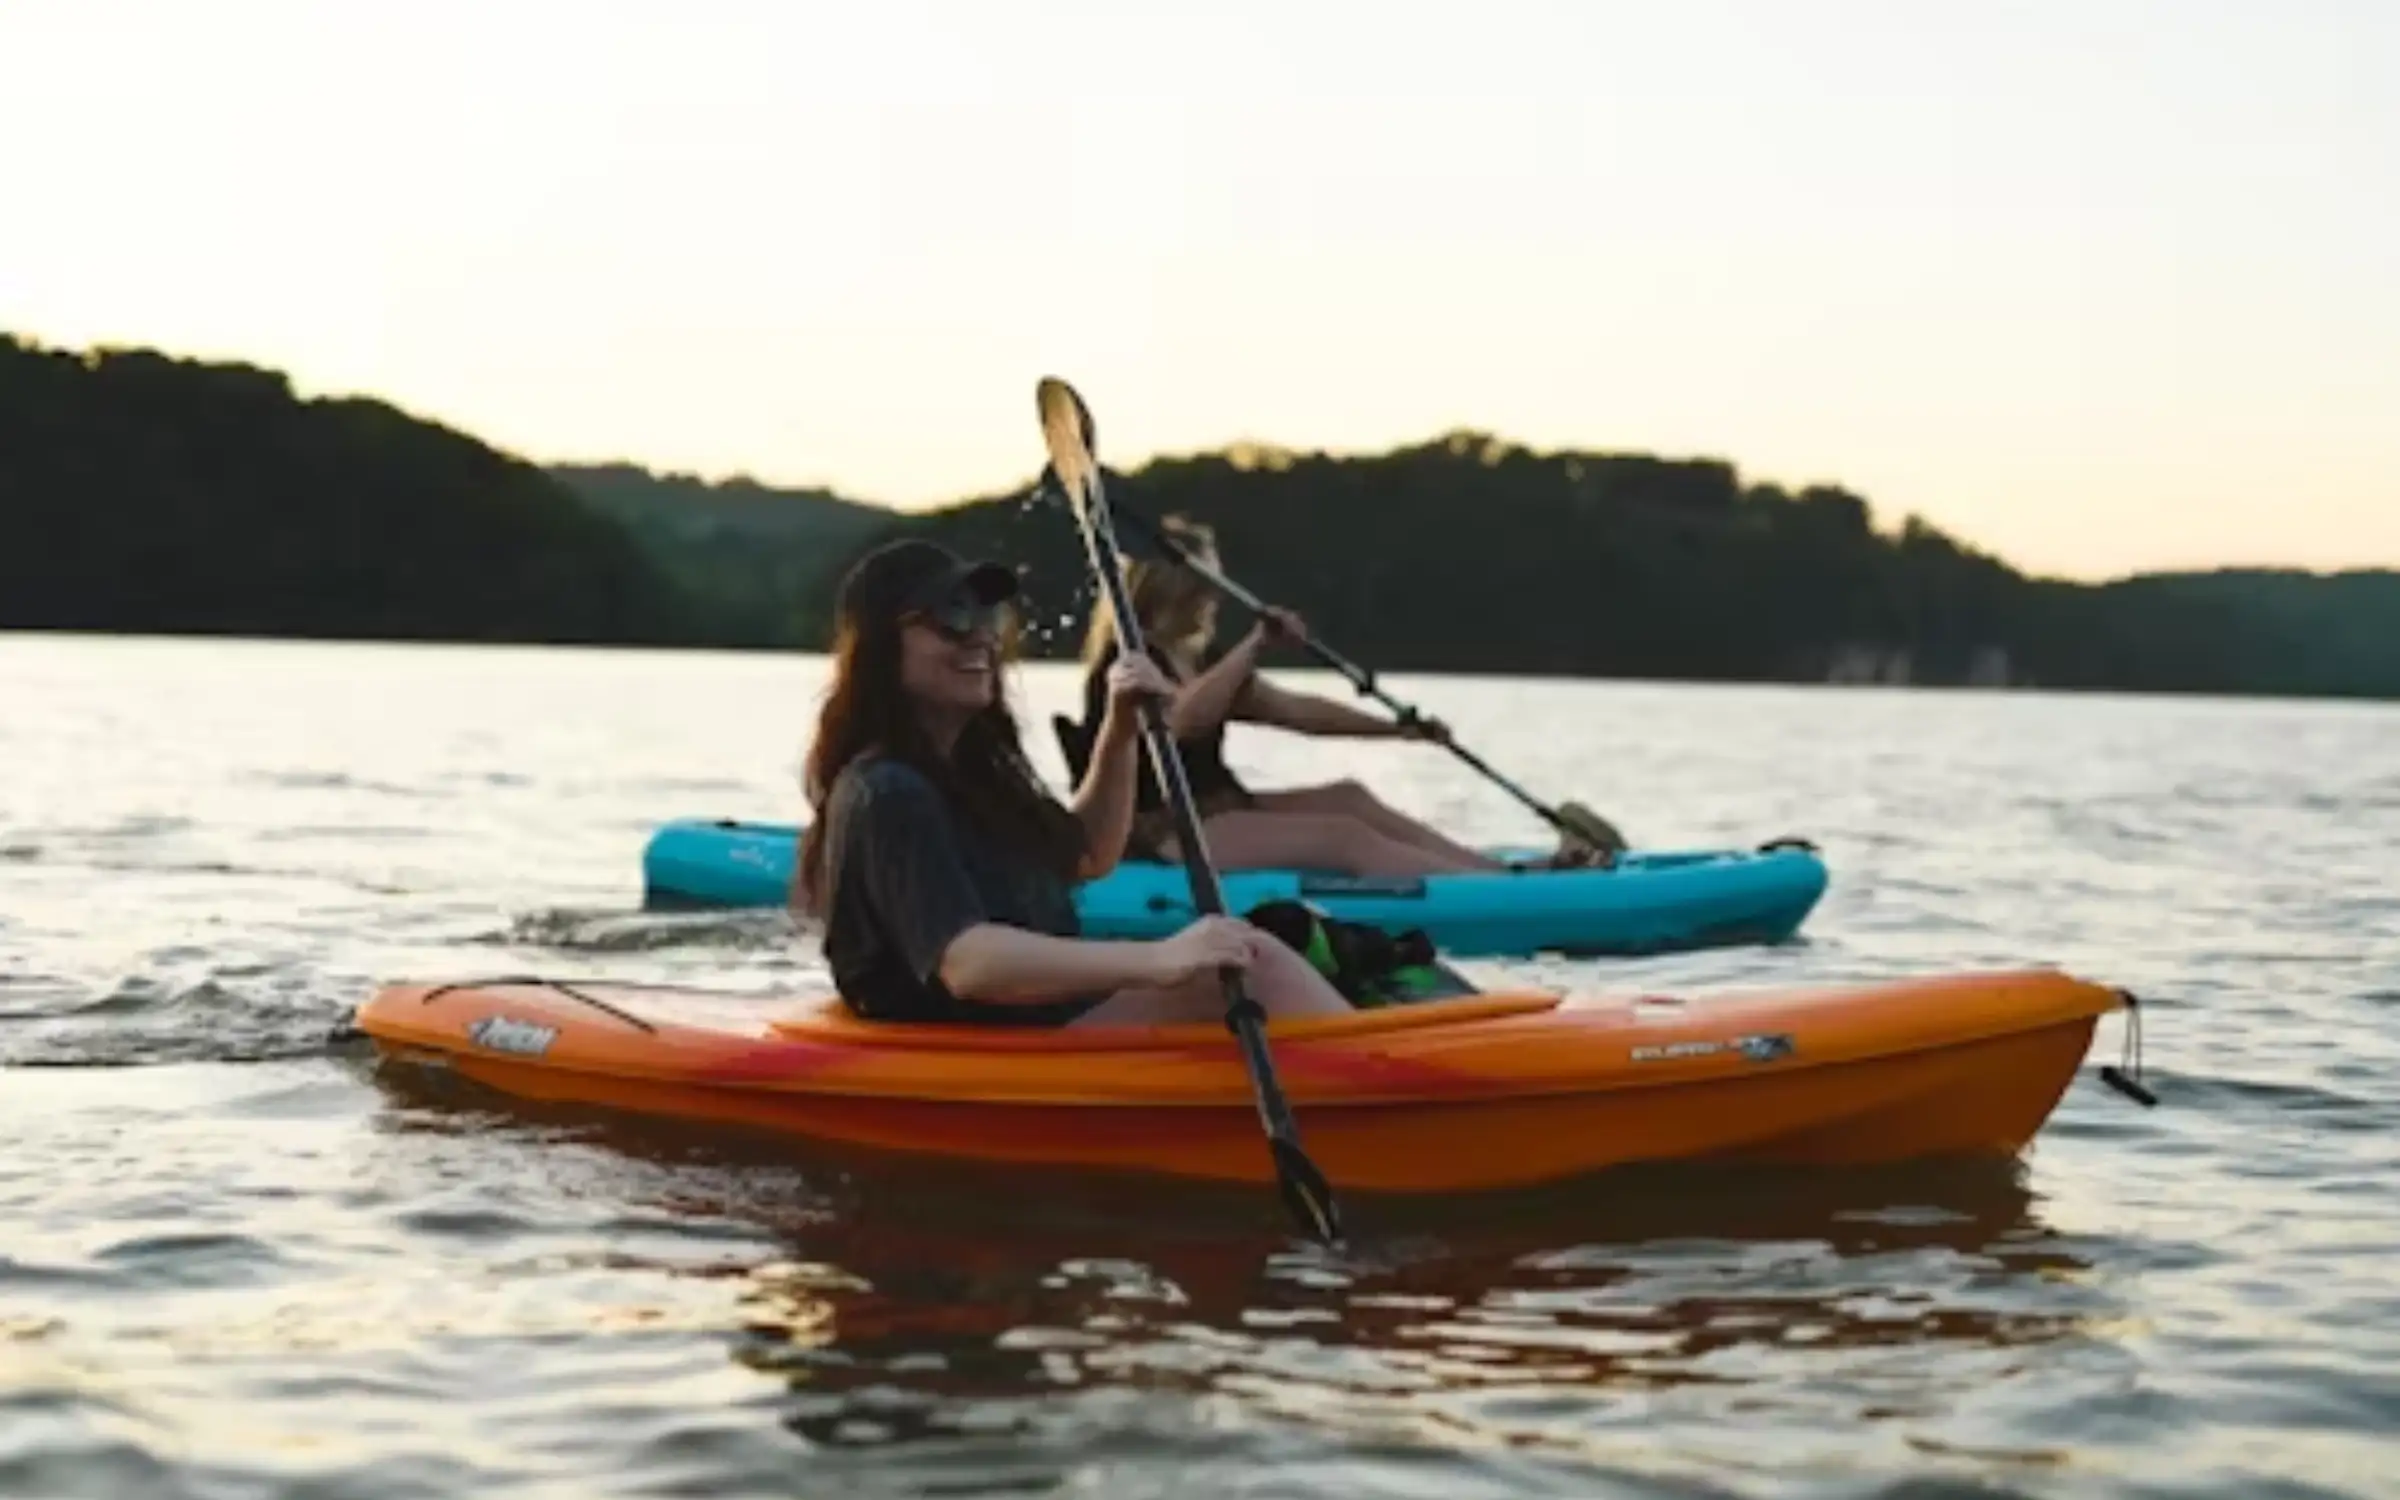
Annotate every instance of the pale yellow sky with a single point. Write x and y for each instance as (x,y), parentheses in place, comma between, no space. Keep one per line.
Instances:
(2098,285)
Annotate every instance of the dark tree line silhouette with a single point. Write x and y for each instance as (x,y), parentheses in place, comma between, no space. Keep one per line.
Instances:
(143,493)
(756,563)
(1471,554)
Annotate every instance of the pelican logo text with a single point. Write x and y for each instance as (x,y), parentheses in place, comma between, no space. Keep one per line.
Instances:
(1765,1047)
(505,1034)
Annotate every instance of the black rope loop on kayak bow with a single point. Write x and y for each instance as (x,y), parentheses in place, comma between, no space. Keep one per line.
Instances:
(2127,1080)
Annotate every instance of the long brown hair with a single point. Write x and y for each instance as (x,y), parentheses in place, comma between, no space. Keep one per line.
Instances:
(986,777)
(1169,599)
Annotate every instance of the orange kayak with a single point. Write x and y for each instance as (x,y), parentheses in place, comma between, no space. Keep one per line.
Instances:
(1479,1092)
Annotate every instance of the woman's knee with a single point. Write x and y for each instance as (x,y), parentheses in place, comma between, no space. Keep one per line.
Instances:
(1279,979)
(1151,1005)
(1349,793)
(1359,801)
(1284,984)
(1368,850)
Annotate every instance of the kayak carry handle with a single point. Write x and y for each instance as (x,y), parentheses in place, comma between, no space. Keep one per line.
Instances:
(2127,1080)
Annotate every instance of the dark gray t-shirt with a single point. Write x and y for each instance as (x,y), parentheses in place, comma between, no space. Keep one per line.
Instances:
(907,875)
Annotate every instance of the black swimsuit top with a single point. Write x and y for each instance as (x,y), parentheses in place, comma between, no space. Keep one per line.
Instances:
(1203,757)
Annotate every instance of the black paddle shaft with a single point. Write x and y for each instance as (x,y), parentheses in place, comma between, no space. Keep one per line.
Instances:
(1306,1193)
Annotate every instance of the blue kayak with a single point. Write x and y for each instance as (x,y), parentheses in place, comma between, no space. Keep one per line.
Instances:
(1648,903)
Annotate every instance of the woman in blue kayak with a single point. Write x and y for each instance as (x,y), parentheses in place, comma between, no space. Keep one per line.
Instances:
(1340,826)
(944,872)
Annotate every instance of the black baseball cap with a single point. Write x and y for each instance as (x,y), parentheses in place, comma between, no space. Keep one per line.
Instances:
(915,576)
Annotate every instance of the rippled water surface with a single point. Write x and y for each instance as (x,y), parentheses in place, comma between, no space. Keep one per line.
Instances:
(235,1261)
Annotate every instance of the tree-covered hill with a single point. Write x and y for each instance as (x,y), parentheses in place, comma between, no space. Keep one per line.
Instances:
(1471,554)
(140,492)
(755,561)
(143,493)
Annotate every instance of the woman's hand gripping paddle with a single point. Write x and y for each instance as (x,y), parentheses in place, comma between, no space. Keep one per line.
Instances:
(1067,430)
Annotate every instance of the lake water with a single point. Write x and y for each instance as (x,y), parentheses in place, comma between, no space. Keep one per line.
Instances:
(236,1262)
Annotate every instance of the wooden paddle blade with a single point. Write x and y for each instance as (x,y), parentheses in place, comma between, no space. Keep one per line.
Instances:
(1307,1196)
(1067,432)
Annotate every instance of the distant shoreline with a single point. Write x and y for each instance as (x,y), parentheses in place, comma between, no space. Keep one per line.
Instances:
(154,496)
(1309,669)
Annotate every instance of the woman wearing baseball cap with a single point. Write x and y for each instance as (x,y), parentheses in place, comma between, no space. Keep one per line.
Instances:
(942,868)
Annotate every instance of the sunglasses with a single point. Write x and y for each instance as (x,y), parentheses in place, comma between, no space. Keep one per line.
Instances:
(960,620)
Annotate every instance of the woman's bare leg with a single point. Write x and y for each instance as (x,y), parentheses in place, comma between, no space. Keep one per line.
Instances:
(1352,799)
(1279,980)
(1254,839)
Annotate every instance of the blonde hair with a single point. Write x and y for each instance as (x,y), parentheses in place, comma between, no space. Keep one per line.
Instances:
(1171,601)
